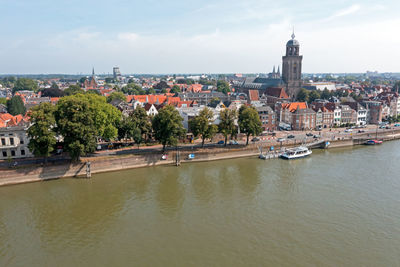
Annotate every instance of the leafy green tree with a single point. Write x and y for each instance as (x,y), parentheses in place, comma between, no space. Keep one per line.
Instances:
(142,125)
(151,91)
(54,86)
(313,95)
(116,95)
(167,126)
(125,128)
(202,125)
(302,96)
(133,89)
(82,118)
(16,106)
(109,80)
(52,92)
(3,101)
(82,80)
(223,86)
(227,125)
(42,130)
(326,94)
(214,102)
(73,89)
(249,122)
(161,85)
(25,84)
(175,89)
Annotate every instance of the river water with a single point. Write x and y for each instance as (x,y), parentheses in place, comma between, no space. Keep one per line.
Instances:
(339,207)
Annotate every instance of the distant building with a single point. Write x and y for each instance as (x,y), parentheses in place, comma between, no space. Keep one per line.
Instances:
(320,86)
(92,82)
(117,74)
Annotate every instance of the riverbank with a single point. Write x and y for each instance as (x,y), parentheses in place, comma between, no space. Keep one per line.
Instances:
(131,161)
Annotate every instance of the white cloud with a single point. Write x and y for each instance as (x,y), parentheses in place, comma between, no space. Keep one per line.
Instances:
(347,48)
(345,12)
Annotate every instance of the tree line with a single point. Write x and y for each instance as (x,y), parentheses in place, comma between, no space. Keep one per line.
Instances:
(81,120)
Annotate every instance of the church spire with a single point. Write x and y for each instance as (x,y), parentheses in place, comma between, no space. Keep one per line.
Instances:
(279,71)
(273,70)
(293,35)
(93,71)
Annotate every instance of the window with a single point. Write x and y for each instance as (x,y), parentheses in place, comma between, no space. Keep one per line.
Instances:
(3,141)
(22,152)
(5,154)
(13,153)
(21,141)
(11,141)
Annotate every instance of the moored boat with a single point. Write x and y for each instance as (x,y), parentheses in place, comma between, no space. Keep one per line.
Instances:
(373,142)
(295,153)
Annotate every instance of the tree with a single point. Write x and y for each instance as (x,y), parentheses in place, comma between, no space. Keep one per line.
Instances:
(326,94)
(161,85)
(141,124)
(25,84)
(167,126)
(82,118)
(16,106)
(133,89)
(116,95)
(223,86)
(227,123)
(175,89)
(249,122)
(202,125)
(214,102)
(3,101)
(73,89)
(313,95)
(302,96)
(82,80)
(41,132)
(52,92)
(54,86)
(151,91)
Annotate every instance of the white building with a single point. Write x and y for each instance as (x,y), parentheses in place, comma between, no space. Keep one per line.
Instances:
(337,116)
(320,86)
(14,143)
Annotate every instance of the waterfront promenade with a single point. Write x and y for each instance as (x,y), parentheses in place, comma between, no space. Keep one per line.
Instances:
(107,161)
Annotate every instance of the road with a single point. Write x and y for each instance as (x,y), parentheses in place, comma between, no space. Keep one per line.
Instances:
(299,137)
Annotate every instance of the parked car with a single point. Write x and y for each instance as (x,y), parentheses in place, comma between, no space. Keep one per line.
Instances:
(221,142)
(388,127)
(397,125)
(348,130)
(291,136)
(255,139)
(361,131)
(281,140)
(233,142)
(316,136)
(309,134)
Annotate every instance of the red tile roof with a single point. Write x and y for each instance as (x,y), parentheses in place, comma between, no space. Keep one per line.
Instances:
(253,95)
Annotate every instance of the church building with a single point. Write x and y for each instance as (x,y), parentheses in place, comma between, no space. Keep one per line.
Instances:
(290,80)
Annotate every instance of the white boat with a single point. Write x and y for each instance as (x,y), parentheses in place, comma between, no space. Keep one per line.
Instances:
(295,153)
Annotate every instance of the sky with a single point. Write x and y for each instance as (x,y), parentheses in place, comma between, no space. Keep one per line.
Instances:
(187,36)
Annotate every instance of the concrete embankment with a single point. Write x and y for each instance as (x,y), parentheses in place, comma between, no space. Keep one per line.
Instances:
(115,163)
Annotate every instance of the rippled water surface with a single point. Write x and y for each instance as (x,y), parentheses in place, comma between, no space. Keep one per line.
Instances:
(339,207)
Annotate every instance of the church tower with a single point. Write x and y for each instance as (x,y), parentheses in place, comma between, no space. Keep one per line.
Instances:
(291,67)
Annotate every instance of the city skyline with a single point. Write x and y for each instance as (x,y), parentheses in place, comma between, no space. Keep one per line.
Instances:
(184,37)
